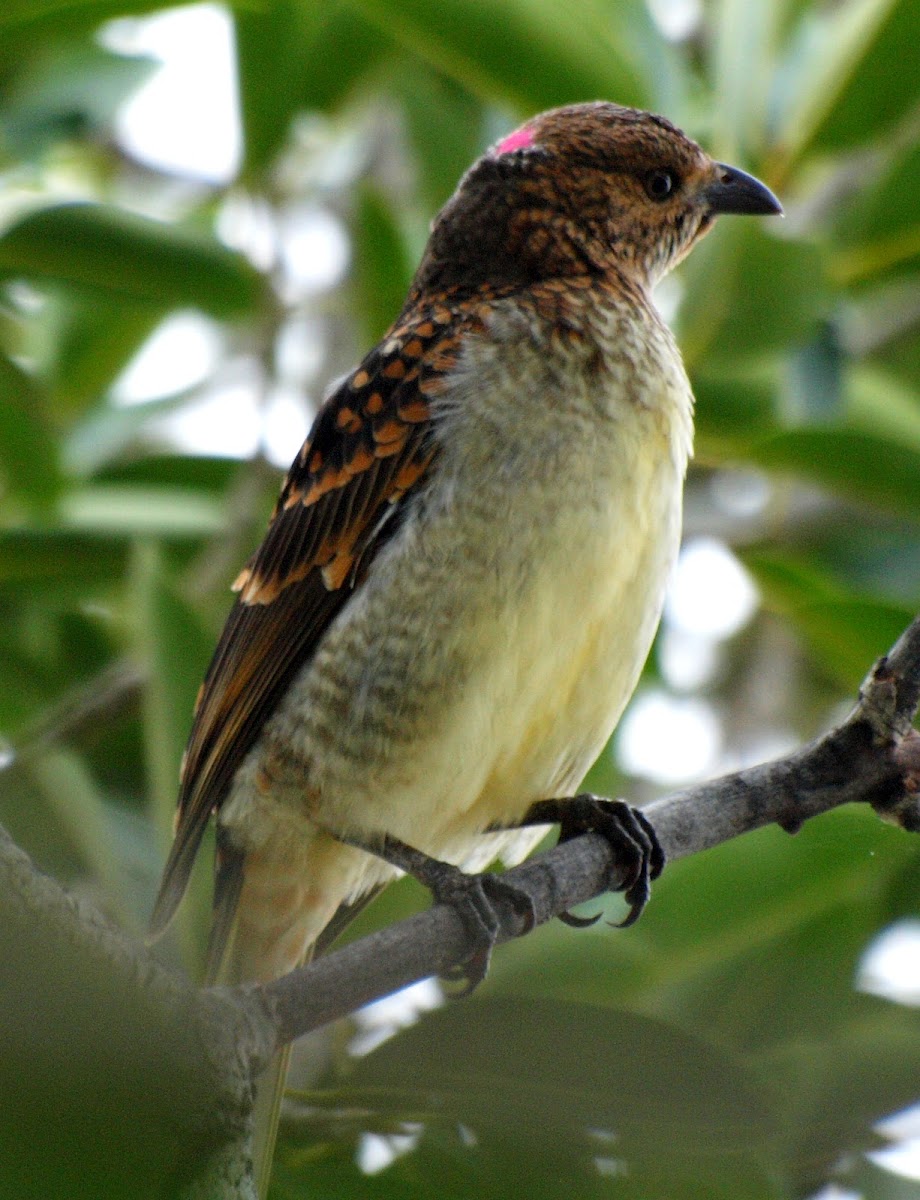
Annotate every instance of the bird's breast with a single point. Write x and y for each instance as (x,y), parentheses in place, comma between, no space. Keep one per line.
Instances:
(488,654)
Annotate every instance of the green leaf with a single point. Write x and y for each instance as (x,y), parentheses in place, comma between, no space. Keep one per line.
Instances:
(744,39)
(529,54)
(446,126)
(55,558)
(86,341)
(879,233)
(125,255)
(283,33)
(878,402)
(840,1084)
(69,90)
(748,294)
(319,54)
(166,512)
(723,959)
(173,649)
(855,462)
(108,430)
(195,472)
(382,267)
(82,13)
(847,632)
(499,1066)
(872,1181)
(80,810)
(29,463)
(732,407)
(346,51)
(875,94)
(841,84)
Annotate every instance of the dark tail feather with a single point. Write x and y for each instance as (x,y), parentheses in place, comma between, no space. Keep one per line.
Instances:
(344,916)
(176,875)
(228,883)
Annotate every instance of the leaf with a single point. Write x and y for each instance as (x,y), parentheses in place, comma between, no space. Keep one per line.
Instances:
(529,54)
(382,267)
(498,1066)
(839,85)
(446,125)
(49,559)
(855,462)
(732,408)
(842,1083)
(167,512)
(877,401)
(745,33)
(88,340)
(748,294)
(29,463)
(346,51)
(319,54)
(875,94)
(86,13)
(847,632)
(72,795)
(879,233)
(195,472)
(173,648)
(283,33)
(108,430)
(872,1181)
(122,254)
(68,90)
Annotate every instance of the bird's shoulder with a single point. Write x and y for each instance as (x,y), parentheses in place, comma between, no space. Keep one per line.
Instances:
(371,443)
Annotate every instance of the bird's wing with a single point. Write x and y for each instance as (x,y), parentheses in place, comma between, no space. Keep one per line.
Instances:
(370,446)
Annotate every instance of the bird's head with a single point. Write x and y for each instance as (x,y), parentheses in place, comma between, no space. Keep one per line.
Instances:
(584,190)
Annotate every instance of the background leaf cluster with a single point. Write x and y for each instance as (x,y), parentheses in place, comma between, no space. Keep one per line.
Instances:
(719,1048)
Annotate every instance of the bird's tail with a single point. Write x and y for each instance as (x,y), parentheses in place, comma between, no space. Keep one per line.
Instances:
(268,920)
(242,949)
(266,1115)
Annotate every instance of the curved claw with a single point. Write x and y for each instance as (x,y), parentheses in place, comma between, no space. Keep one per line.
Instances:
(576,922)
(632,837)
(636,897)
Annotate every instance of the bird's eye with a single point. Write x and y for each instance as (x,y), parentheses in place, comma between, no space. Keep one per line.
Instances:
(661,184)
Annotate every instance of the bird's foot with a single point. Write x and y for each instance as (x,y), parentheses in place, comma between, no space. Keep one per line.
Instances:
(472,897)
(638,854)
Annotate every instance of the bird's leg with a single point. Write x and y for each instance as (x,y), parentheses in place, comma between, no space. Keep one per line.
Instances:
(473,897)
(627,830)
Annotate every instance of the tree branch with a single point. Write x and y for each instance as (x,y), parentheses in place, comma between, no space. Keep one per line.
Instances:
(113,1070)
(93,1020)
(872,757)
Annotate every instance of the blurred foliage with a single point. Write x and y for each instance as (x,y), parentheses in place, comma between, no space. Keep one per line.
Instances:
(719,1049)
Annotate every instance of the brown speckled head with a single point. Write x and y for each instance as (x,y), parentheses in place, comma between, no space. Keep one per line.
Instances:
(587,189)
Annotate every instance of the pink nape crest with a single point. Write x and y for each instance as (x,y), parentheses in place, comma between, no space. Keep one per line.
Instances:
(516,141)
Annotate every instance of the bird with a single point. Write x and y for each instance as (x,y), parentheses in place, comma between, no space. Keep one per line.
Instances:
(466,565)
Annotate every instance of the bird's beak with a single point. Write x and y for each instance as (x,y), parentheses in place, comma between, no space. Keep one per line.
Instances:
(734,191)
